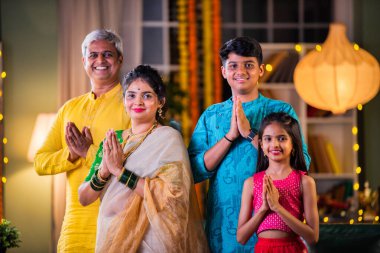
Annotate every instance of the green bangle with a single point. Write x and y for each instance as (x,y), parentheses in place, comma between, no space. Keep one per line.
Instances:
(100,179)
(129,179)
(123,178)
(96,188)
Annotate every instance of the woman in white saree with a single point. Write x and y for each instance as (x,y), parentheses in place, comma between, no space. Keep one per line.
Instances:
(145,185)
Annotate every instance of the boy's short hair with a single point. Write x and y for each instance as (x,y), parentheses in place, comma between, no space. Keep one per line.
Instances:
(243,46)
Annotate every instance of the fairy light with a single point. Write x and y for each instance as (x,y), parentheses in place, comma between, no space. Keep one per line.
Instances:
(3,74)
(4,180)
(5,159)
(268,67)
(356,186)
(1,117)
(376,218)
(5,140)
(358,170)
(325,219)
(360,212)
(360,107)
(356,47)
(360,218)
(355,147)
(354,130)
(298,48)
(352,221)
(318,48)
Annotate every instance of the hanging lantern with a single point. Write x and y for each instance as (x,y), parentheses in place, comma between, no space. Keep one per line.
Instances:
(338,77)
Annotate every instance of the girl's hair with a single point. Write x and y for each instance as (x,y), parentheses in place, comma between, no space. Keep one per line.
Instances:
(150,76)
(291,126)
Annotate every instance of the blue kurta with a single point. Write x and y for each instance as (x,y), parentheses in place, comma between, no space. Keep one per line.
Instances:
(226,181)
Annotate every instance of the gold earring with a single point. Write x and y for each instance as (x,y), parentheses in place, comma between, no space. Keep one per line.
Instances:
(160,113)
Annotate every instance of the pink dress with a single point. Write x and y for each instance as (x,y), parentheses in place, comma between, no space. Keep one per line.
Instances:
(290,192)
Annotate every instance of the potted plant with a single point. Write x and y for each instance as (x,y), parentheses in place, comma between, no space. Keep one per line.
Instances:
(9,236)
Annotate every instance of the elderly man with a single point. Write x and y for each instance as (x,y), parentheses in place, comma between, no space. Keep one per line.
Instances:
(79,128)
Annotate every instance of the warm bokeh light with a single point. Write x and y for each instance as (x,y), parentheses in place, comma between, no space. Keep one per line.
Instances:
(3,74)
(360,218)
(356,47)
(268,67)
(298,48)
(356,186)
(325,219)
(358,170)
(360,107)
(355,147)
(318,48)
(5,140)
(4,179)
(352,221)
(360,212)
(5,159)
(354,130)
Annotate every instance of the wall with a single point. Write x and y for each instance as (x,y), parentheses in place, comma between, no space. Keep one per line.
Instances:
(366,33)
(29,33)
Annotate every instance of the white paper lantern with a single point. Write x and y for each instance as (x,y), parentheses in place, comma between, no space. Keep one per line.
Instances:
(338,77)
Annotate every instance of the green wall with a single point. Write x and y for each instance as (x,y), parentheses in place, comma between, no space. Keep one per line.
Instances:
(367,34)
(29,37)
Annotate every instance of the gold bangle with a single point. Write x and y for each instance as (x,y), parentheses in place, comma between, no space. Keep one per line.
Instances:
(100,177)
(128,179)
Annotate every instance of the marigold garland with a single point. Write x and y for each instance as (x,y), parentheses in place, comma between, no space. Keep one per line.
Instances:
(207,53)
(183,65)
(216,32)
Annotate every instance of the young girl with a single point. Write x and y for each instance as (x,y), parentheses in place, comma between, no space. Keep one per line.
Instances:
(280,194)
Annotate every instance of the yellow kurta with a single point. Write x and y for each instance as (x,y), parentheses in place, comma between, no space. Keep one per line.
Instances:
(78,232)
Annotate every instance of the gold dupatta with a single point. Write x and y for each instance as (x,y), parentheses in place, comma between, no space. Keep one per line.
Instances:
(169,206)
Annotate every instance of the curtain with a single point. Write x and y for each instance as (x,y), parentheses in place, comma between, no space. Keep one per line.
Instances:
(76,20)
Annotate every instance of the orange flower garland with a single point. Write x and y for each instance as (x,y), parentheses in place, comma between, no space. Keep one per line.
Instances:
(193,63)
(216,32)
(183,65)
(207,54)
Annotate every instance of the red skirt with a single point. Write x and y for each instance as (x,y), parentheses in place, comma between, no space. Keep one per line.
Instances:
(280,245)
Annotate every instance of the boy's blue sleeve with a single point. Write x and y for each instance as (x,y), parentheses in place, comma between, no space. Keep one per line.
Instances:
(198,146)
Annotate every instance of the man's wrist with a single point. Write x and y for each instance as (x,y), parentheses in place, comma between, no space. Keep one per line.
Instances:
(251,135)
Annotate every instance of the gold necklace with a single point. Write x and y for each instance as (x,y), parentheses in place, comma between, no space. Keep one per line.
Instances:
(131,150)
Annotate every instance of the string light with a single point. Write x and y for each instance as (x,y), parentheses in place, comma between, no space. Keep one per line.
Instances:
(358,170)
(356,47)
(298,48)
(376,218)
(360,212)
(268,67)
(5,159)
(5,140)
(354,130)
(318,48)
(325,219)
(355,147)
(3,74)
(4,180)
(360,107)
(352,221)
(360,218)
(356,186)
